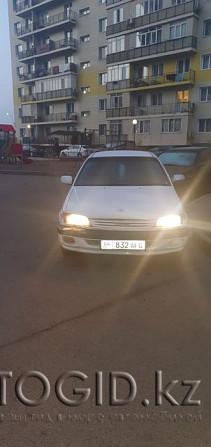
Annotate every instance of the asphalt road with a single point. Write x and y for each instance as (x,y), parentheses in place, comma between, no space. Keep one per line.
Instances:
(92,314)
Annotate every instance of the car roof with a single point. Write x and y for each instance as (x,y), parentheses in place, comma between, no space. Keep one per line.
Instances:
(123,153)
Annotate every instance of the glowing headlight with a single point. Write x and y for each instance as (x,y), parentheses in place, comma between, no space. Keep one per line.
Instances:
(171,221)
(75,220)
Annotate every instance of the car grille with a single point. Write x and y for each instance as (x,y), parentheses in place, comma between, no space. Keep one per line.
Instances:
(127,224)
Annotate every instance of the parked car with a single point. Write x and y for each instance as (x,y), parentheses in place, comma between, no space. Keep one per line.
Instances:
(193,164)
(33,151)
(122,202)
(78,151)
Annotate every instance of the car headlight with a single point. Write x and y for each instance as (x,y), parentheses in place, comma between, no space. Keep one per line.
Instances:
(75,220)
(169,221)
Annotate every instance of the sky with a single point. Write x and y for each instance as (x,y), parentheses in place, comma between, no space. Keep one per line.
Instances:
(6,90)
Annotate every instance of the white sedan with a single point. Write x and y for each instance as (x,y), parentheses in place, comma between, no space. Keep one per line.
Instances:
(75,151)
(122,202)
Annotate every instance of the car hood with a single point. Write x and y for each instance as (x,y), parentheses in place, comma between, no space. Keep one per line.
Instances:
(133,202)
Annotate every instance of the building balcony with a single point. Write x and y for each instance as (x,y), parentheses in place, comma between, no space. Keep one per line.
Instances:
(53,95)
(26,4)
(23,7)
(50,119)
(42,73)
(164,109)
(152,82)
(50,22)
(112,2)
(186,44)
(42,49)
(154,17)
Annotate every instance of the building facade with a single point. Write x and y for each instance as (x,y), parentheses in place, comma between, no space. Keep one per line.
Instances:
(100,66)
(59,64)
(159,70)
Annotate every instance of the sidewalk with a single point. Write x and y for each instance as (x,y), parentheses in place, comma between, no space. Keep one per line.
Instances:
(199,217)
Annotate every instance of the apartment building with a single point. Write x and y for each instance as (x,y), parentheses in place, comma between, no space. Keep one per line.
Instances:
(59,66)
(107,65)
(159,71)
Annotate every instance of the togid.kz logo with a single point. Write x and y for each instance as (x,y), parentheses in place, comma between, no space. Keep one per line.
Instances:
(81,395)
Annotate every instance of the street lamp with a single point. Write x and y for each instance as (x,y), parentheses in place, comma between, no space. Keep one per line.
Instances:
(134,132)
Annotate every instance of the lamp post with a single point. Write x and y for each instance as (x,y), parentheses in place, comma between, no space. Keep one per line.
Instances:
(29,135)
(134,132)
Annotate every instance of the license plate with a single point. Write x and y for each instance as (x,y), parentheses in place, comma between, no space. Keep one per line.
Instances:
(123,245)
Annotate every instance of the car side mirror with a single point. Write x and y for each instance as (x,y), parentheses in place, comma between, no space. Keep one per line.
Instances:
(66,179)
(178,178)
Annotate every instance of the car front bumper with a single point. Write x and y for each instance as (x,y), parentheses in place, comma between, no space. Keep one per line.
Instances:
(156,241)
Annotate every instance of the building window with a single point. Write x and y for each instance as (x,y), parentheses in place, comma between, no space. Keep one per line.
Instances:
(84,65)
(152,5)
(84,11)
(142,100)
(171,125)
(85,38)
(204,125)
(102,129)
(85,90)
(177,2)
(118,15)
(19,49)
(20,92)
(102,52)
(102,25)
(143,126)
(182,96)
(148,36)
(207,28)
(116,101)
(67,10)
(183,65)
(20,71)
(63,83)
(116,44)
(156,99)
(116,127)
(178,30)
(85,113)
(206,61)
(118,72)
(67,59)
(102,78)
(148,6)
(102,104)
(205,94)
(101,2)
(18,28)
(157,69)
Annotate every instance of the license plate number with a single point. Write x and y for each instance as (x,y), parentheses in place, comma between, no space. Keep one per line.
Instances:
(123,245)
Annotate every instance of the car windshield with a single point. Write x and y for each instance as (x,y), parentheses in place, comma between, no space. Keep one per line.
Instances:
(122,171)
(178,158)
